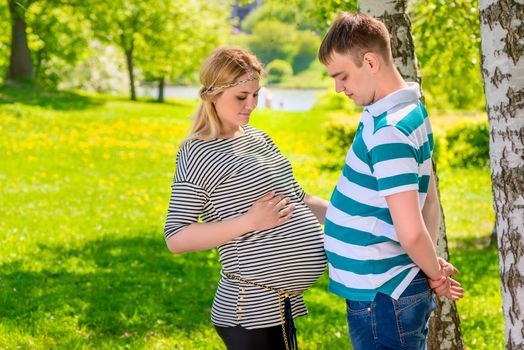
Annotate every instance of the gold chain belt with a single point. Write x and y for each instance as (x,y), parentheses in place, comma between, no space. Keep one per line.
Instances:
(279,292)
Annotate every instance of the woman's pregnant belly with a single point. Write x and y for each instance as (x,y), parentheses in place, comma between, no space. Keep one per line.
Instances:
(290,256)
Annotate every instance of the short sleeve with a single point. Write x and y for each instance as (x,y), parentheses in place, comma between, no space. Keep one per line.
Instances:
(187,199)
(394,162)
(185,207)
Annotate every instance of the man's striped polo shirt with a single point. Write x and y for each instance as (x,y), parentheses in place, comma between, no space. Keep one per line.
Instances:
(391,153)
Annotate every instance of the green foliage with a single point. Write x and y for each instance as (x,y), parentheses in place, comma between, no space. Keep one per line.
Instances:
(332,101)
(323,12)
(313,77)
(440,149)
(278,70)
(293,12)
(338,138)
(307,49)
(188,32)
(5,39)
(447,43)
(340,132)
(273,40)
(468,144)
(57,37)
(282,31)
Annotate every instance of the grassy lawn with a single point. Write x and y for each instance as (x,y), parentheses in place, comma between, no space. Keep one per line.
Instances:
(84,188)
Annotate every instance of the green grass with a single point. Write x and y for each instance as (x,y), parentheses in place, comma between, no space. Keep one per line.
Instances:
(84,187)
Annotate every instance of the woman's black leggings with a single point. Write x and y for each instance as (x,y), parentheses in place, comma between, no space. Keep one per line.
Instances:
(239,338)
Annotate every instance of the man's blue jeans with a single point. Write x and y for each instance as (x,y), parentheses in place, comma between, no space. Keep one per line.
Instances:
(386,323)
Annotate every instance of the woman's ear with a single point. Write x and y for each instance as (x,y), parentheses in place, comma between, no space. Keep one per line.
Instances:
(213,99)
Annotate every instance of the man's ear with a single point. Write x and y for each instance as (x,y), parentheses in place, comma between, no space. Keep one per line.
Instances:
(372,61)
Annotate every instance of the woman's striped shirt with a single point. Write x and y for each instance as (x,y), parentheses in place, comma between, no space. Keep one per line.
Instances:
(220,180)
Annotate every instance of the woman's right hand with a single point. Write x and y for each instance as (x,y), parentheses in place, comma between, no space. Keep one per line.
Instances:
(269,211)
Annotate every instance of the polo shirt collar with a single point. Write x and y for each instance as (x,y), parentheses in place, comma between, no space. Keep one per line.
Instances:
(405,95)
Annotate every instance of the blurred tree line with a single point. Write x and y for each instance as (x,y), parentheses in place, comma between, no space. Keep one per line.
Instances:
(74,43)
(88,44)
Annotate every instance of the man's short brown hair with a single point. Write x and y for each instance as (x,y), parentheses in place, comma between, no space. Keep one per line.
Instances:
(355,34)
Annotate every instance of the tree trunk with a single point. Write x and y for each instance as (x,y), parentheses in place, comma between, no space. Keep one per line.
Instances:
(444,324)
(444,329)
(501,28)
(130,69)
(161,84)
(20,65)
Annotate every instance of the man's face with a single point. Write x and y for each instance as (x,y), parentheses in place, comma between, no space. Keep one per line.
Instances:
(358,83)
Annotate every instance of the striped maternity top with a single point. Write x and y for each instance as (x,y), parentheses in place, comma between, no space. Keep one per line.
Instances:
(220,180)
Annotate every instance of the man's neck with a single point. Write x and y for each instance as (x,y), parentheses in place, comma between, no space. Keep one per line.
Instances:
(389,81)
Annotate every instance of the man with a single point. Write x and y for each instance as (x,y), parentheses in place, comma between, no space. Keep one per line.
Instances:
(382,222)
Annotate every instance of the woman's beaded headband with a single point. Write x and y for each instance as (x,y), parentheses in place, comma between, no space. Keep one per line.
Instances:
(209,89)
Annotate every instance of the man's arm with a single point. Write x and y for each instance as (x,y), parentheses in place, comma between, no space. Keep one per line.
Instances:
(416,241)
(318,206)
(431,210)
(412,233)
(447,287)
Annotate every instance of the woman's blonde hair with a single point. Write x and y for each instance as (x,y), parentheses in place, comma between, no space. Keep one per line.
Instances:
(221,70)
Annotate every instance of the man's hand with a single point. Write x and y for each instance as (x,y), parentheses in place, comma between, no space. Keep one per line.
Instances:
(447,268)
(445,285)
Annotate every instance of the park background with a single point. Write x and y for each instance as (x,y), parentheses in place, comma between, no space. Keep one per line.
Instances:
(87,160)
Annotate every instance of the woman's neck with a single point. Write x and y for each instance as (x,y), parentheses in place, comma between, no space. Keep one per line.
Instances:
(232,132)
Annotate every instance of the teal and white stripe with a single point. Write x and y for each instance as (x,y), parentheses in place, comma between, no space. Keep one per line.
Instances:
(391,153)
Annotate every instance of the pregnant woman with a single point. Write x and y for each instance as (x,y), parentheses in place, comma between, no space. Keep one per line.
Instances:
(234,190)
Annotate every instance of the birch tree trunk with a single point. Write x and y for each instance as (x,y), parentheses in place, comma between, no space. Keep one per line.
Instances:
(444,327)
(502,29)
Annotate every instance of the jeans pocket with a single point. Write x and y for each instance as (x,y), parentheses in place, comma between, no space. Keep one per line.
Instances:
(412,314)
(358,308)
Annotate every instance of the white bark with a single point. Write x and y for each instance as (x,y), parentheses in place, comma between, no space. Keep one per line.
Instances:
(444,330)
(501,27)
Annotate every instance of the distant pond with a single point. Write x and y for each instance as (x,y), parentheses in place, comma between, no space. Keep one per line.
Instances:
(278,98)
